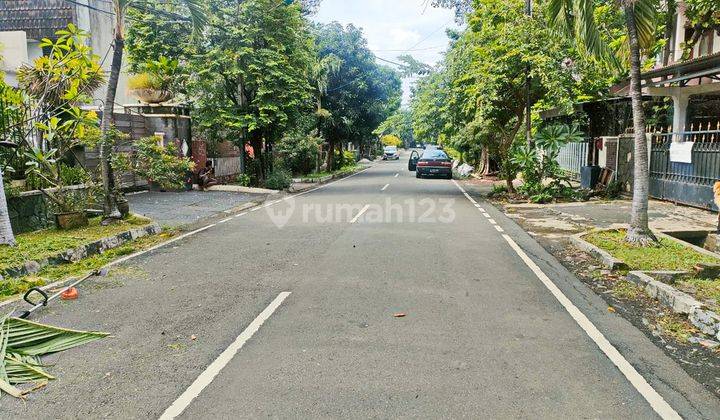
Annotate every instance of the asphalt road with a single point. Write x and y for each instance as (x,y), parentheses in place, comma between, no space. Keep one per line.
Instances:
(482,335)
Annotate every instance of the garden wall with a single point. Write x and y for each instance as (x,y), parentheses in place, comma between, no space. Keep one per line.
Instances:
(29,212)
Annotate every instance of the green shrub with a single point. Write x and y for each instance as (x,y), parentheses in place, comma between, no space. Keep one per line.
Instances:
(299,153)
(613,190)
(161,164)
(243,180)
(343,159)
(74,175)
(538,163)
(498,190)
(279,179)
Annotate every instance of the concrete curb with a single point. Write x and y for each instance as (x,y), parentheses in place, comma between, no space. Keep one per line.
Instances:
(326,179)
(681,303)
(607,260)
(238,188)
(313,180)
(83,251)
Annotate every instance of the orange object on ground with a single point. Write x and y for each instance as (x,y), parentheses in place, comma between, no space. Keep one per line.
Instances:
(69,294)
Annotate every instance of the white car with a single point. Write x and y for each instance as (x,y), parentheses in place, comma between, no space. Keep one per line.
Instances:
(391,153)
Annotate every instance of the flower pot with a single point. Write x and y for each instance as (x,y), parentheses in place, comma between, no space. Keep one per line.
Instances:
(71,220)
(123,207)
(152,96)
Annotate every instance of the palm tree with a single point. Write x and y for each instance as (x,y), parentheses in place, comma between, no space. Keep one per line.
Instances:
(321,71)
(576,17)
(120,9)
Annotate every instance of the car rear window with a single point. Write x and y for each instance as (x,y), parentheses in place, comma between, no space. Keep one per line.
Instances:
(434,154)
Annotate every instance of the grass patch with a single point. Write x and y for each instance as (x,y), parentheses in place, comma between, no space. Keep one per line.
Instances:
(667,255)
(624,289)
(342,171)
(704,290)
(677,327)
(52,274)
(42,244)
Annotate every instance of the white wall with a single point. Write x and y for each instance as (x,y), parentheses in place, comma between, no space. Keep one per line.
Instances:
(101,28)
(14,54)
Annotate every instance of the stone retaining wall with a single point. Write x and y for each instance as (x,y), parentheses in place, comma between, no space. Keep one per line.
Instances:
(83,251)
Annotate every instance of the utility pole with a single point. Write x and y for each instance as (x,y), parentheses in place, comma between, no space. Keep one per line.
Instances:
(528,81)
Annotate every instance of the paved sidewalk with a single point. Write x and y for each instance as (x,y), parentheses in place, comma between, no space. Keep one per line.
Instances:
(557,221)
(184,208)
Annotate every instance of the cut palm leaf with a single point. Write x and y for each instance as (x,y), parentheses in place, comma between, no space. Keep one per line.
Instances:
(22,342)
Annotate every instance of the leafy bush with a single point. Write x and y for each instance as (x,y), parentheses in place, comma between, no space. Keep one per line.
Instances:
(278,179)
(613,190)
(346,158)
(391,140)
(299,153)
(159,74)
(144,81)
(498,190)
(543,179)
(243,180)
(160,164)
(74,175)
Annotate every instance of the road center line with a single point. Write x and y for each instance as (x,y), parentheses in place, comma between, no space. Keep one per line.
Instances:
(492,221)
(218,364)
(499,229)
(360,213)
(385,187)
(656,401)
(397,175)
(487,215)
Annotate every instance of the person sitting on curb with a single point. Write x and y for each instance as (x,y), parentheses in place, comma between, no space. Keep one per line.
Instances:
(205,176)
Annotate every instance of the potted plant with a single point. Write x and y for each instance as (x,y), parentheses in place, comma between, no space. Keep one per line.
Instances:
(66,202)
(155,84)
(69,207)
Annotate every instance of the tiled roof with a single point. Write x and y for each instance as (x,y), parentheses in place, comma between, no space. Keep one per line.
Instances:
(38,18)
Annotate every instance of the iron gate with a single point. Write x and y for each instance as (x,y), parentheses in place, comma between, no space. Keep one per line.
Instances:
(686,183)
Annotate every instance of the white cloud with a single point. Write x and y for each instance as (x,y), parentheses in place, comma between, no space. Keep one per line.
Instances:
(393,26)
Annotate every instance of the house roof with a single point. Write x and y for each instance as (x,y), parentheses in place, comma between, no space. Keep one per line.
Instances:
(680,73)
(38,18)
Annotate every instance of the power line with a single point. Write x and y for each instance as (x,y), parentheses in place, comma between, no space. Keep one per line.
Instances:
(416,49)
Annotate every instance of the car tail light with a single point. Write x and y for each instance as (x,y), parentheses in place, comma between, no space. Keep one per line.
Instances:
(423,163)
(448,164)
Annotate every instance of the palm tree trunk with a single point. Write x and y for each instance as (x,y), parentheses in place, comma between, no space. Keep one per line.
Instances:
(639,232)
(109,205)
(6,233)
(329,159)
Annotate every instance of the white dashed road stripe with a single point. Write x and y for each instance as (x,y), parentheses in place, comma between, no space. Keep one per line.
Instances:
(385,187)
(360,213)
(218,364)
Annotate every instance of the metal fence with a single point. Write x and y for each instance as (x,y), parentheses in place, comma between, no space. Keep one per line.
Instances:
(574,156)
(686,183)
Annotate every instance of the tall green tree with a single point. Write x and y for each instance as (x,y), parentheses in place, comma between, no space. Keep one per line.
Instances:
(361,94)
(577,18)
(252,72)
(398,124)
(120,8)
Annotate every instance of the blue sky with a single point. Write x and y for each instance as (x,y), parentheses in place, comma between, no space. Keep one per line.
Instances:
(392,26)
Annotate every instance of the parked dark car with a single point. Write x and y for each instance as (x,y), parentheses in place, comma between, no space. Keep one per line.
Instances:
(432,162)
